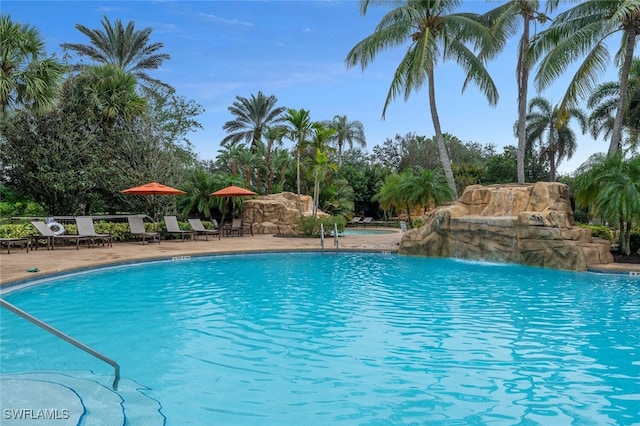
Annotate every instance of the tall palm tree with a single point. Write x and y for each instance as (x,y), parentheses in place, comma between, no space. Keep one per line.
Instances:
(273,136)
(322,165)
(346,132)
(543,120)
(299,130)
(435,34)
(252,116)
(124,47)
(505,20)
(27,77)
(585,29)
(603,102)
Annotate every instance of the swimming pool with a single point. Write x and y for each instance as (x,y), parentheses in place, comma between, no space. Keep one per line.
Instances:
(347,338)
(365,231)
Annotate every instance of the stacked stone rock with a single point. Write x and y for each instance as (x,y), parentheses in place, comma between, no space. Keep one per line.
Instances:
(530,224)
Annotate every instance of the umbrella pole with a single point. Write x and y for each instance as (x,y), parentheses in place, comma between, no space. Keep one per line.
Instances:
(224,207)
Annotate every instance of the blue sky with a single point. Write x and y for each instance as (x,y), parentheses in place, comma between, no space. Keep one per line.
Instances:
(295,50)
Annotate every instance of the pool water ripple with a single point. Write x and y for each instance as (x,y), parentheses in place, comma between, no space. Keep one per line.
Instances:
(352,339)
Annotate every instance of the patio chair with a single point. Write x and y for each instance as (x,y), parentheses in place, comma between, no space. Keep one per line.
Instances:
(356,220)
(235,228)
(136,226)
(367,220)
(86,229)
(199,228)
(171,222)
(47,234)
(403,226)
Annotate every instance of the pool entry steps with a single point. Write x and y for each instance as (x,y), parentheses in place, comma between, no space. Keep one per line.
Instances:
(66,338)
(74,398)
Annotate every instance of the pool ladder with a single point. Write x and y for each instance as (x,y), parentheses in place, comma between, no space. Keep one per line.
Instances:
(335,236)
(64,337)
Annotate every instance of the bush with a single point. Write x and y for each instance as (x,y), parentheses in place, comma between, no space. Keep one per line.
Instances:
(309,226)
(599,231)
(417,223)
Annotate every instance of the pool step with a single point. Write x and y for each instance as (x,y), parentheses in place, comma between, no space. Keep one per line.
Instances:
(75,398)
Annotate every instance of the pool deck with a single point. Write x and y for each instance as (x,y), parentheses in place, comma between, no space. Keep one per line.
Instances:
(15,267)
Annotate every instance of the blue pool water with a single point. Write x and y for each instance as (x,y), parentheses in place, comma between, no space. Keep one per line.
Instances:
(348,338)
(367,232)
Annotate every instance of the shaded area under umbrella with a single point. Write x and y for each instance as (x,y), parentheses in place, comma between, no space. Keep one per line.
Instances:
(153,189)
(231,191)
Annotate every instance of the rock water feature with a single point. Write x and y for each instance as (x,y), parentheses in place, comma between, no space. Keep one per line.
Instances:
(276,213)
(531,224)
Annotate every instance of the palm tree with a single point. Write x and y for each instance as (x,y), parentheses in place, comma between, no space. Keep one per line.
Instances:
(346,132)
(504,20)
(585,28)
(299,130)
(423,187)
(107,93)
(273,136)
(27,78)
(200,185)
(322,166)
(253,116)
(603,102)
(543,120)
(611,185)
(435,34)
(126,48)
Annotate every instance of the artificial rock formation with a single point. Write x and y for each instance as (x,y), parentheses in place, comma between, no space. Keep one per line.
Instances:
(276,213)
(530,224)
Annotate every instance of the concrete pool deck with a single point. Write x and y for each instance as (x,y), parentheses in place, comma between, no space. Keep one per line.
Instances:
(14,267)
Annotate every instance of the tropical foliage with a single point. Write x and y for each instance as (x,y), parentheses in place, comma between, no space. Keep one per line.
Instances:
(28,78)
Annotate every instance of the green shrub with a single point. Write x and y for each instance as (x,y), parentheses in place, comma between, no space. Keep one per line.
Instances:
(309,226)
(417,223)
(599,231)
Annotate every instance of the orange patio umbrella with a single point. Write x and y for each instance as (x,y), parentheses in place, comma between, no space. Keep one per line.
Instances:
(231,191)
(153,189)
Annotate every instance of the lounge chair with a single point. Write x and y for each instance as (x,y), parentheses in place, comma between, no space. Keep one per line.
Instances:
(403,226)
(171,222)
(235,228)
(356,220)
(136,226)
(199,228)
(20,241)
(86,229)
(47,234)
(366,221)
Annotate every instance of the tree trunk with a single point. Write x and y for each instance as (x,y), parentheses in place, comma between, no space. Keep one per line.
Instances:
(523,84)
(444,156)
(552,152)
(616,132)
(298,178)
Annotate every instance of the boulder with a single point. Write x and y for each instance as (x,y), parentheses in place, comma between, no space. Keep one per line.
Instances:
(276,213)
(530,223)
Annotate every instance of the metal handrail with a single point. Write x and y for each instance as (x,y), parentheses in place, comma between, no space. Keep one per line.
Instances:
(322,236)
(64,337)
(335,235)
